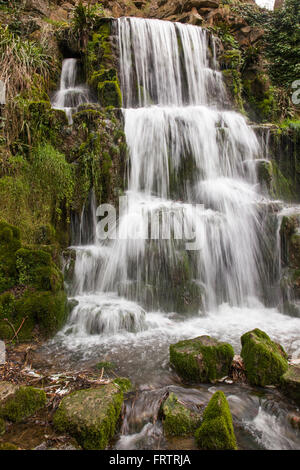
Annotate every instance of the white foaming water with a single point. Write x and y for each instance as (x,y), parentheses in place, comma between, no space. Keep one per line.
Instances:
(171,64)
(187,155)
(70,95)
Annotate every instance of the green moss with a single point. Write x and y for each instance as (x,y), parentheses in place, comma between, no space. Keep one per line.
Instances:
(265,361)
(36,269)
(90,415)
(123,383)
(216,431)
(106,365)
(8,446)
(9,244)
(290,383)
(109,94)
(201,359)
(178,420)
(233,81)
(24,403)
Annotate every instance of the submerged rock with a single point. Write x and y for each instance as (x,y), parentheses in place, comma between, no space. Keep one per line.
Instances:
(216,430)
(178,419)
(290,383)
(265,361)
(202,359)
(18,403)
(90,415)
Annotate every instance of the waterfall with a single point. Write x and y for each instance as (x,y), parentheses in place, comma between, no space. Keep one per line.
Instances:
(70,95)
(187,155)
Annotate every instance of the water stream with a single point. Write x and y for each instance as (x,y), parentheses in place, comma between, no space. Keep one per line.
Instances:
(189,154)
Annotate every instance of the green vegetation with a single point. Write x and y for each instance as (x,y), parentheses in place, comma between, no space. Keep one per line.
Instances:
(178,420)
(265,361)
(282,44)
(22,404)
(290,383)
(90,415)
(216,430)
(201,359)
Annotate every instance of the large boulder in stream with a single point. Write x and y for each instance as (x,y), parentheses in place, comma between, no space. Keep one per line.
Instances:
(90,415)
(20,402)
(178,420)
(202,359)
(216,430)
(290,383)
(265,361)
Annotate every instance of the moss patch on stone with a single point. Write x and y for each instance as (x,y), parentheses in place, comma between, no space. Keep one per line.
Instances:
(290,383)
(123,383)
(202,359)
(265,361)
(22,404)
(90,415)
(216,431)
(178,420)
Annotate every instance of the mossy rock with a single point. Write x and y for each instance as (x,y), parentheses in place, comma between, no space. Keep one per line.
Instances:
(290,383)
(178,420)
(19,403)
(8,446)
(202,359)
(2,426)
(90,415)
(216,431)
(264,172)
(44,310)
(123,383)
(265,361)
(35,268)
(109,94)
(9,244)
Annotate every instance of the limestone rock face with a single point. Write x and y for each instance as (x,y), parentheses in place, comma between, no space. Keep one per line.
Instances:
(216,430)
(178,419)
(265,361)
(90,415)
(290,383)
(202,359)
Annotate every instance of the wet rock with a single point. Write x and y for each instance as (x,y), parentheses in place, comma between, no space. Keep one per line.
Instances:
(2,426)
(8,446)
(178,420)
(290,383)
(90,415)
(265,361)
(216,430)
(18,403)
(202,359)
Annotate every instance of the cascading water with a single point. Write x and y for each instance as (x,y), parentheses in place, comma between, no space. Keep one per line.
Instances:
(70,94)
(188,155)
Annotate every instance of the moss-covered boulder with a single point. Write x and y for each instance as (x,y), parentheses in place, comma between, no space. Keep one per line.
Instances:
(265,361)
(216,430)
(290,383)
(9,244)
(90,415)
(18,403)
(178,420)
(41,312)
(36,268)
(202,359)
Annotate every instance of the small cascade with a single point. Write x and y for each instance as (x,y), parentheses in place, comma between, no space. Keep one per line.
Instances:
(70,94)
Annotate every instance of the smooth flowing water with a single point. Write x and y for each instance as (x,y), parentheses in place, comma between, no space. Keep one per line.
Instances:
(193,160)
(70,94)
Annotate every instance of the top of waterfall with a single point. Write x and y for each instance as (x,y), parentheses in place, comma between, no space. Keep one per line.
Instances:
(168,64)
